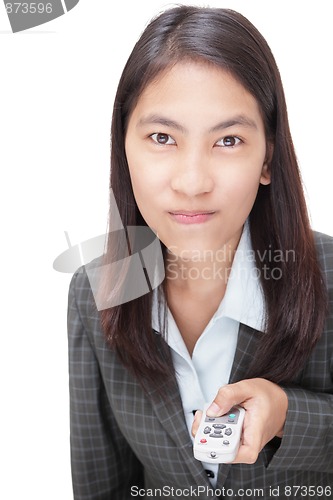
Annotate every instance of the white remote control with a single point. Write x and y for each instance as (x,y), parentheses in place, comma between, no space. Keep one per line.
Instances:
(218,438)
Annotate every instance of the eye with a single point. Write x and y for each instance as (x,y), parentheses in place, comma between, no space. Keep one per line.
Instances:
(163,139)
(229,141)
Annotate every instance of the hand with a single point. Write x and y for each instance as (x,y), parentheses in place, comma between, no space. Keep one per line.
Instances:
(266,407)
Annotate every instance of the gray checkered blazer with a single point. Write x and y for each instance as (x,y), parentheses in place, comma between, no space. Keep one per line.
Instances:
(121,437)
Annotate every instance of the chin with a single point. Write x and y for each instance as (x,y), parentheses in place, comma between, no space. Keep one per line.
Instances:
(192,252)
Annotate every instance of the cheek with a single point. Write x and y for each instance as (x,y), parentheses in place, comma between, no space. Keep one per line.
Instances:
(239,187)
(149,179)
(241,183)
(146,184)
(248,185)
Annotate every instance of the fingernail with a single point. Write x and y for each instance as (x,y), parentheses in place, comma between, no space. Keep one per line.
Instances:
(214,410)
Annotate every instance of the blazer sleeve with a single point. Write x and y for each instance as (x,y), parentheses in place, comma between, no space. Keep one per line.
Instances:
(307,442)
(103,465)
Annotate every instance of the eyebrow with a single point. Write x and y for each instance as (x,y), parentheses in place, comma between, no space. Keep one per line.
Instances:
(242,120)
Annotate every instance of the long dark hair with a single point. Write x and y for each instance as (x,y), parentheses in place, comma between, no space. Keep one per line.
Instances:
(296,302)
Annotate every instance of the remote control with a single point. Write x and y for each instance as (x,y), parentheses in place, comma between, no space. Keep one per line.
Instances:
(218,438)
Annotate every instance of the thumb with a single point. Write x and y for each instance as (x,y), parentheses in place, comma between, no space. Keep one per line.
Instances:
(228,396)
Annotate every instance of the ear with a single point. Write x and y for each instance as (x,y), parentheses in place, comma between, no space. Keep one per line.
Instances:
(265,177)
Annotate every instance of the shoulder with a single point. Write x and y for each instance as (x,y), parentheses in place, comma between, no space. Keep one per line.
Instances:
(324,244)
(81,288)
(324,247)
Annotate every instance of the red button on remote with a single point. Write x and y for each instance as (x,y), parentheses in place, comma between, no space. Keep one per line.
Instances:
(203,440)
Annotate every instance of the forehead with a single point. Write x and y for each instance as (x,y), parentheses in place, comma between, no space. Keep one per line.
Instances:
(195,91)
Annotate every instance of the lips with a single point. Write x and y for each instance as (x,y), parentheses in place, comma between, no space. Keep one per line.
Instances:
(192,216)
(192,213)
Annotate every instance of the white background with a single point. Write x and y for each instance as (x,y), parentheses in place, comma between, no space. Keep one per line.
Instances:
(57,87)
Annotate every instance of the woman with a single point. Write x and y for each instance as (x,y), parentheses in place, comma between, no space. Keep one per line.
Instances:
(202,154)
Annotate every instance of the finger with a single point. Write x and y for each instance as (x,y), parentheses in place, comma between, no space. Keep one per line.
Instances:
(196,422)
(247,455)
(228,396)
(251,444)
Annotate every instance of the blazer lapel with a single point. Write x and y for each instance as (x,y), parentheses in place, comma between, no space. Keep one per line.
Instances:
(248,339)
(171,416)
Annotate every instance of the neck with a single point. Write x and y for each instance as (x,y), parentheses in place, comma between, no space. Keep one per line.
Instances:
(201,274)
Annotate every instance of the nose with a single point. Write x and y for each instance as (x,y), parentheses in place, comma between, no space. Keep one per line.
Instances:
(192,175)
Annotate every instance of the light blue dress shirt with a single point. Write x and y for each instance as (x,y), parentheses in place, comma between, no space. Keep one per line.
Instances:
(199,377)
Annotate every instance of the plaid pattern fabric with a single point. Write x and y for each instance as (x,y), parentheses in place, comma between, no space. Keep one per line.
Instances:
(122,437)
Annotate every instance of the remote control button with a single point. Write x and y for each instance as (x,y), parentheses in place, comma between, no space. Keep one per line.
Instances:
(203,440)
(210,419)
(217,431)
(232,415)
(219,426)
(226,442)
(213,454)
(216,435)
(228,432)
(207,430)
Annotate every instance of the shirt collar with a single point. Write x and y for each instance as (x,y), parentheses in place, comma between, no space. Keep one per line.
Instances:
(243,300)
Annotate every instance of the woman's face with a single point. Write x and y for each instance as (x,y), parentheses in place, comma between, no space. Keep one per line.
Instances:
(196,151)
